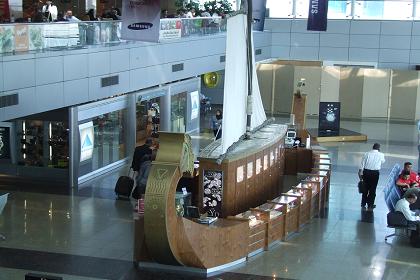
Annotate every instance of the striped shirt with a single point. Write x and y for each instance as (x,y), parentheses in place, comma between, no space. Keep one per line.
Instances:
(372,160)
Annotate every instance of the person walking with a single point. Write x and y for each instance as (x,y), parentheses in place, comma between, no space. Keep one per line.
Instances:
(369,174)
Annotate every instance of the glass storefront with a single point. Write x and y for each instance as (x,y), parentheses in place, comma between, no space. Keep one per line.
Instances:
(102,141)
(147,118)
(42,143)
(179,112)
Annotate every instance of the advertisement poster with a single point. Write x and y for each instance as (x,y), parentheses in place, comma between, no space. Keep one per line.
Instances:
(7,40)
(141,20)
(170,29)
(195,107)
(21,37)
(87,141)
(329,116)
(317,17)
(258,14)
(213,192)
(4,143)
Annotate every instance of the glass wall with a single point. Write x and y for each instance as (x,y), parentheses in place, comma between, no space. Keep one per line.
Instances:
(102,141)
(179,112)
(357,9)
(147,117)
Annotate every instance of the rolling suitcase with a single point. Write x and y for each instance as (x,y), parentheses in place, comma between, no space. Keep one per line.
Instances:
(124,185)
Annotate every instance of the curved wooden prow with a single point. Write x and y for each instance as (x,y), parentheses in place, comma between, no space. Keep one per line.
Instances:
(175,240)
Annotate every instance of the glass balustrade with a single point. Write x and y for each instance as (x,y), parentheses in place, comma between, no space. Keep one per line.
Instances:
(23,37)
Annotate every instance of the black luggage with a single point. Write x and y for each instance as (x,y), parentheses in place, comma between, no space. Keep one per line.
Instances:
(124,185)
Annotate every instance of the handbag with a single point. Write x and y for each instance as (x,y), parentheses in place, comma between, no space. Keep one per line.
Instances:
(362,187)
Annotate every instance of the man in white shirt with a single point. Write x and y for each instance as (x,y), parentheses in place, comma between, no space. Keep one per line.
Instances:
(69,17)
(403,206)
(369,173)
(50,11)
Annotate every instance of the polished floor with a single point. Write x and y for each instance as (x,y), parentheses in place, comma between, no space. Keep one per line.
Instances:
(87,234)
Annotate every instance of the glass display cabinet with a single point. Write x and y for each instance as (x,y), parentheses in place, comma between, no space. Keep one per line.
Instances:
(292,209)
(257,221)
(276,222)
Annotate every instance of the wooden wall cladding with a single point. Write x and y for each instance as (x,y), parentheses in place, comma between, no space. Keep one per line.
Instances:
(242,190)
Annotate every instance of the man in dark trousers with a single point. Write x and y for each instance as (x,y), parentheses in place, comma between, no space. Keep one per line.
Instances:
(369,173)
(139,154)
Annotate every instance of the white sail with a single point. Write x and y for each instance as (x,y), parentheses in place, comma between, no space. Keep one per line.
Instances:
(258,116)
(235,91)
(236,85)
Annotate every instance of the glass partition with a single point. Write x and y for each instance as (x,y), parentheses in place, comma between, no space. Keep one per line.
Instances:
(21,37)
(383,9)
(102,141)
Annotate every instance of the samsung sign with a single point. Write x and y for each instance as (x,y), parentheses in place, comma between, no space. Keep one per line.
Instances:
(317,18)
(140,26)
(140,20)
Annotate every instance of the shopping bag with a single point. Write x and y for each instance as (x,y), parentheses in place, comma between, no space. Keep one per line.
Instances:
(362,187)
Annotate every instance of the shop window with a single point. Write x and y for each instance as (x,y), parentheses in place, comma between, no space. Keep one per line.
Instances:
(178,112)
(250,170)
(240,174)
(147,119)
(102,141)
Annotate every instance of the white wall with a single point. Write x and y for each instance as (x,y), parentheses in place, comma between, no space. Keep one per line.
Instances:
(51,80)
(389,44)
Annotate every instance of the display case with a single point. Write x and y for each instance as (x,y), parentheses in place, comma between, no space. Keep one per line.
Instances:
(305,196)
(31,143)
(292,209)
(58,145)
(258,222)
(276,222)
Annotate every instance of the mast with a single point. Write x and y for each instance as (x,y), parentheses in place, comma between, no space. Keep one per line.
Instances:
(250,67)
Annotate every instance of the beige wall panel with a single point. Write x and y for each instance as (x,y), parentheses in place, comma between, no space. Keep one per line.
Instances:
(376,93)
(404,95)
(351,92)
(312,88)
(283,80)
(265,82)
(330,84)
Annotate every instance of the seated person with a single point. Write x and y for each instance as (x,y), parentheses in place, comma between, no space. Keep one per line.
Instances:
(408,166)
(403,206)
(405,181)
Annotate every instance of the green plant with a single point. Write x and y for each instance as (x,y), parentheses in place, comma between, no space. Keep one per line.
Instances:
(221,7)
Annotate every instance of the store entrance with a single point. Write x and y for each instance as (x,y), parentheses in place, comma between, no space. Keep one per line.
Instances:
(147,119)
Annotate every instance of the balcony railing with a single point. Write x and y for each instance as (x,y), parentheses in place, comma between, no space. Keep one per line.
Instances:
(24,37)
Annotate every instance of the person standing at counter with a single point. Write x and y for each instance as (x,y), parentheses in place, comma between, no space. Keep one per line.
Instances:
(50,11)
(369,173)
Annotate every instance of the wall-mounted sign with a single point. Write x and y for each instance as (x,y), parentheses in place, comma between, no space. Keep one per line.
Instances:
(195,104)
(213,192)
(141,20)
(4,143)
(329,116)
(87,141)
